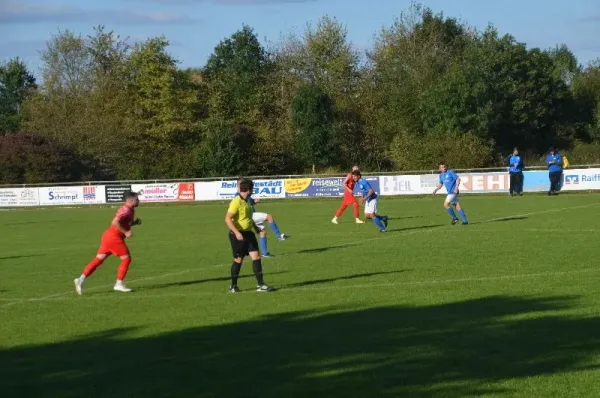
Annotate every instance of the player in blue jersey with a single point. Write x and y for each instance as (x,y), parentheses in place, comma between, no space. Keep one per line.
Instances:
(369,198)
(260,219)
(451,180)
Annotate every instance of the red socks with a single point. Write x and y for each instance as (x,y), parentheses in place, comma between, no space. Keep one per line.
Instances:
(123,268)
(91,267)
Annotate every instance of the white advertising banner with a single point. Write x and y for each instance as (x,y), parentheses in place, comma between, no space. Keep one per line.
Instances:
(581,179)
(206,191)
(262,189)
(61,196)
(17,197)
(400,185)
(161,192)
(94,194)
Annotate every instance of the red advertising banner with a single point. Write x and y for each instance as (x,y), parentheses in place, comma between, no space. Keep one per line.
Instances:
(186,192)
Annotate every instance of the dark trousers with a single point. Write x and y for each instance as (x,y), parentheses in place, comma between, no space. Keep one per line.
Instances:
(555,177)
(516,182)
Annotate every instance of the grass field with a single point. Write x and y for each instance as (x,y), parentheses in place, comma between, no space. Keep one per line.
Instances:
(507,306)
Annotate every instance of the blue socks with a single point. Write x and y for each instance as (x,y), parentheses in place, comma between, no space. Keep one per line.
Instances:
(263,245)
(275,229)
(463,215)
(379,223)
(452,214)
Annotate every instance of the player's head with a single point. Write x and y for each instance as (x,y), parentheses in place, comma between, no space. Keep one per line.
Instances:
(515,151)
(131,199)
(553,150)
(355,167)
(356,175)
(443,167)
(239,181)
(244,188)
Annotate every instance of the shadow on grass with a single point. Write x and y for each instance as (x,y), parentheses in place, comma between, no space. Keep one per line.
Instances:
(341,278)
(503,219)
(459,349)
(325,249)
(22,256)
(416,228)
(201,281)
(403,218)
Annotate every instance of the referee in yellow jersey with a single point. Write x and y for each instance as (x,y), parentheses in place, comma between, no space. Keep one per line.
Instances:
(242,238)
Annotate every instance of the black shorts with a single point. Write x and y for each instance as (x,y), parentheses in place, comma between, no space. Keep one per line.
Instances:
(242,248)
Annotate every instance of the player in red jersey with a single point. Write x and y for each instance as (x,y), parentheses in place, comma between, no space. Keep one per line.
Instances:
(349,199)
(113,242)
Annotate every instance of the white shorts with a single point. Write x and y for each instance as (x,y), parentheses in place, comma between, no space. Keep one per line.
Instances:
(260,219)
(371,206)
(452,199)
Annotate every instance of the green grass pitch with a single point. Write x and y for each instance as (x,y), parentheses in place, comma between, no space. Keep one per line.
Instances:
(507,306)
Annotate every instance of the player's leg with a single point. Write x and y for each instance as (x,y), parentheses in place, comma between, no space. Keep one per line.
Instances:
(371,214)
(256,262)
(260,220)
(339,212)
(239,250)
(461,212)
(520,184)
(275,228)
(356,209)
(513,178)
(120,249)
(448,205)
(102,254)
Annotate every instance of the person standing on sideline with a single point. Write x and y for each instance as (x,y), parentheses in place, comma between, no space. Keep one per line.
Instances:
(515,170)
(555,169)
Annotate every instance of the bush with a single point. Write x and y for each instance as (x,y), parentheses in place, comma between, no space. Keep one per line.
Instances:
(32,159)
(583,153)
(425,152)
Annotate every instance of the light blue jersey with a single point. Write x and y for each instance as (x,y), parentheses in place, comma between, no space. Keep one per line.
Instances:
(364,187)
(448,179)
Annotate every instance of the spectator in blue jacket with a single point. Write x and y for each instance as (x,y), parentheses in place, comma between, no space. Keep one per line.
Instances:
(554,162)
(515,170)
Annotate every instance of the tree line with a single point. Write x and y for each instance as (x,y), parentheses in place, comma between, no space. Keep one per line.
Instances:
(431,87)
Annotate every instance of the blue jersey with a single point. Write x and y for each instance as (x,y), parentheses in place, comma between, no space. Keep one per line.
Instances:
(250,201)
(515,159)
(448,179)
(364,187)
(557,165)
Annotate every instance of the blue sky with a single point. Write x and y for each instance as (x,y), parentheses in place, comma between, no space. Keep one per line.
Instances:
(194,27)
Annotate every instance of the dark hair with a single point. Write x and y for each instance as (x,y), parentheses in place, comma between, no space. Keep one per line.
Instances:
(356,173)
(515,149)
(130,195)
(245,185)
(443,164)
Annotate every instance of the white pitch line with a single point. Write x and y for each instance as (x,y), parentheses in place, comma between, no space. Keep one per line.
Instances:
(410,232)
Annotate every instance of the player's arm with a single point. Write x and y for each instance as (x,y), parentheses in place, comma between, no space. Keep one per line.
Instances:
(116,222)
(439,186)
(347,183)
(229,221)
(137,221)
(457,185)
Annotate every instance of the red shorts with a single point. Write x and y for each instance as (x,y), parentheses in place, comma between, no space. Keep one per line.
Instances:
(349,199)
(111,244)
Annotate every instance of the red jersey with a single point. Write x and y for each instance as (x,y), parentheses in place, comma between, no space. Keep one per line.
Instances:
(125,217)
(349,182)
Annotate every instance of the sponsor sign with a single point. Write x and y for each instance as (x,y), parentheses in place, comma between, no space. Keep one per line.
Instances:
(161,192)
(484,182)
(186,192)
(11,197)
(581,179)
(115,193)
(61,196)
(262,189)
(400,185)
(321,187)
(94,194)
(206,190)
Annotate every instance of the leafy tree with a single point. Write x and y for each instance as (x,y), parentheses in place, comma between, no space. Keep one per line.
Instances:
(501,92)
(31,159)
(16,84)
(312,118)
